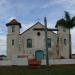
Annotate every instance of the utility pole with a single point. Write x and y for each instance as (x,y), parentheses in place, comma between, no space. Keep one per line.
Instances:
(46,42)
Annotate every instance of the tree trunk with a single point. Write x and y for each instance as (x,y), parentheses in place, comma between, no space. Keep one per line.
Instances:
(70,52)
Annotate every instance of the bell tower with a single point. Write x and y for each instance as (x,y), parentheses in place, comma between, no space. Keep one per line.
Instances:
(13,28)
(63,37)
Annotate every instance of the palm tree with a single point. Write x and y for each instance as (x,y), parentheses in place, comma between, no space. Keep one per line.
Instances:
(68,22)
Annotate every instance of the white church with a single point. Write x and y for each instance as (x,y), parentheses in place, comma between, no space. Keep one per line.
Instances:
(31,43)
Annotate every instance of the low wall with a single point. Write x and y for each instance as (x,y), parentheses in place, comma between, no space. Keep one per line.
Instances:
(58,61)
(5,63)
(24,62)
(19,62)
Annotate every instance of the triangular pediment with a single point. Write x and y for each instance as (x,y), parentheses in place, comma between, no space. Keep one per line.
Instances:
(36,26)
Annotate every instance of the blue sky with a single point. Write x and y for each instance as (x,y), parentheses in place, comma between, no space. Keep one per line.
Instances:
(28,12)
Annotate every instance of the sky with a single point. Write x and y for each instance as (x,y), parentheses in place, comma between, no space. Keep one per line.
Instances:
(28,12)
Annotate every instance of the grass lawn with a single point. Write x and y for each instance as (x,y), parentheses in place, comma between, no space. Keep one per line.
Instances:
(53,70)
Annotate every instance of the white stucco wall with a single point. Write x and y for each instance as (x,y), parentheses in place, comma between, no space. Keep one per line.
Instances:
(38,42)
(63,49)
(58,61)
(13,49)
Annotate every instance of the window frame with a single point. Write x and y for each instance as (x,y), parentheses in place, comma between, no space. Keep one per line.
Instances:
(13,28)
(64,29)
(65,42)
(49,42)
(29,43)
(12,42)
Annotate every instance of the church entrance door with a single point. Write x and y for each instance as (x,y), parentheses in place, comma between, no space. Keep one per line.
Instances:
(39,55)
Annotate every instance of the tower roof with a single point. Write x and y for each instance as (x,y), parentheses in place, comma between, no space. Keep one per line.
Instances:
(60,22)
(14,22)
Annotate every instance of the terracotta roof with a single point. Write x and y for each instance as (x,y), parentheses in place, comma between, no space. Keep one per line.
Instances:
(14,22)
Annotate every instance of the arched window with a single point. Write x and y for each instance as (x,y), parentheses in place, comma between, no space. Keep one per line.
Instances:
(12,42)
(64,29)
(64,41)
(13,28)
(49,42)
(29,43)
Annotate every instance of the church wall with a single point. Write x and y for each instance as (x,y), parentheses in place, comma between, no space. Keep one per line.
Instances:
(16,28)
(57,49)
(53,49)
(64,49)
(38,42)
(12,50)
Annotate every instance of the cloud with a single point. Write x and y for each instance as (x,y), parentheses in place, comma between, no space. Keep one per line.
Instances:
(11,18)
(73,40)
(2,40)
(3,44)
(3,29)
(68,5)
(26,26)
(17,8)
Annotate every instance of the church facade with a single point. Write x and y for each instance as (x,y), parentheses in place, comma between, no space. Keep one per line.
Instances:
(31,43)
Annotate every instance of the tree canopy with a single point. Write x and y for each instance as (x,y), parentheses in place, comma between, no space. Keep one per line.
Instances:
(67,21)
